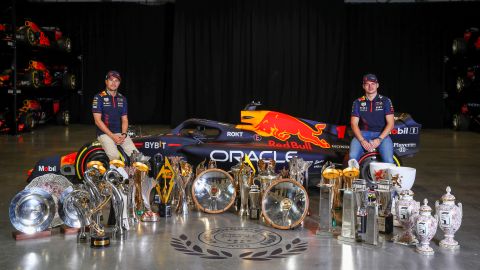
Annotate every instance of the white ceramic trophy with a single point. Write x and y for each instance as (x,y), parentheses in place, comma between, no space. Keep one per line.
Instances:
(406,208)
(449,218)
(401,178)
(425,228)
(379,170)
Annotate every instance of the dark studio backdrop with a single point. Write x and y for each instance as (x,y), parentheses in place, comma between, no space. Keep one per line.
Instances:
(209,58)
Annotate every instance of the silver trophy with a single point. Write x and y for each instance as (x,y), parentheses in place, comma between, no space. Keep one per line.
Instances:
(371,232)
(254,196)
(266,173)
(114,180)
(245,176)
(327,196)
(384,199)
(352,209)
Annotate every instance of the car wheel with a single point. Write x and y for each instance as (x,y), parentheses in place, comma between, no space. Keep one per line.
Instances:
(65,44)
(459,46)
(86,154)
(69,81)
(63,118)
(28,121)
(368,158)
(460,122)
(34,78)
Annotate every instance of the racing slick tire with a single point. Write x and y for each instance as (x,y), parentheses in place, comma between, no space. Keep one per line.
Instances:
(459,46)
(69,81)
(368,158)
(90,152)
(63,118)
(34,78)
(460,122)
(65,44)
(28,120)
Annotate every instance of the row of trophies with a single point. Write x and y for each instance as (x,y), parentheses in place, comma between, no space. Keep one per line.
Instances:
(372,207)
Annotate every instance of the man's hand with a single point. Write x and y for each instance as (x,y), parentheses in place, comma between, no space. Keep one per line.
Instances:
(366,145)
(118,138)
(375,143)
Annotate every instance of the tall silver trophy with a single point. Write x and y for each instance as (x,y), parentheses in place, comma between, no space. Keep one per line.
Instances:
(254,198)
(327,196)
(384,200)
(349,209)
(245,177)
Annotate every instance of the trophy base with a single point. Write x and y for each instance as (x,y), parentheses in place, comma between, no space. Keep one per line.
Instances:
(243,212)
(450,245)
(405,239)
(150,216)
(165,210)
(99,241)
(254,214)
(347,239)
(385,224)
(425,250)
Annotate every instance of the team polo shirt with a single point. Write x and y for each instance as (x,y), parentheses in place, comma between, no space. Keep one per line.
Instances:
(112,109)
(372,113)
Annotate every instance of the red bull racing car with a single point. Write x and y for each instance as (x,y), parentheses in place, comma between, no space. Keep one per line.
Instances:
(261,135)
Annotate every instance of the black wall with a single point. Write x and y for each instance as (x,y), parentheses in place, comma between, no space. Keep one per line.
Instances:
(209,58)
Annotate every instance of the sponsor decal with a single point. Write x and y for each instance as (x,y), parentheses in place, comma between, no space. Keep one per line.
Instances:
(403,147)
(155,145)
(341,131)
(363,104)
(290,145)
(340,146)
(105,99)
(237,155)
(42,168)
(257,137)
(234,133)
(404,130)
(317,164)
(282,127)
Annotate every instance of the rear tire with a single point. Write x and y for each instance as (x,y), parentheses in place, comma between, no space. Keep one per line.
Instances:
(460,122)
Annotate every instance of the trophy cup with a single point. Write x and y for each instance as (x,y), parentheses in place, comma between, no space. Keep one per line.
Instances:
(147,185)
(349,209)
(113,179)
(245,177)
(213,191)
(384,199)
(371,232)
(166,182)
(183,180)
(327,197)
(139,175)
(266,173)
(449,218)
(235,171)
(360,191)
(425,228)
(406,208)
(254,196)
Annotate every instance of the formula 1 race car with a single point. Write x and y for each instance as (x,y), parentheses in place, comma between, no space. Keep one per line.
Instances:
(261,135)
(37,75)
(33,35)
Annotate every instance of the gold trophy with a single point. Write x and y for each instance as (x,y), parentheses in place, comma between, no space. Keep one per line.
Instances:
(164,187)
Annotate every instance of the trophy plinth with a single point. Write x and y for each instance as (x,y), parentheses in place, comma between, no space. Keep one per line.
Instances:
(349,231)
(97,241)
(371,234)
(325,209)
(254,196)
(449,243)
(165,210)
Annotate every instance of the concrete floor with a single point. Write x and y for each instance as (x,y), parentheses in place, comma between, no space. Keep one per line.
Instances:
(445,158)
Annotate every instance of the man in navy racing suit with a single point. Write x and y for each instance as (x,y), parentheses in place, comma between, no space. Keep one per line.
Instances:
(371,122)
(110,113)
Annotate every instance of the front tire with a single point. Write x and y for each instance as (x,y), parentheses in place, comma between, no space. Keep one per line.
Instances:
(460,122)
(86,154)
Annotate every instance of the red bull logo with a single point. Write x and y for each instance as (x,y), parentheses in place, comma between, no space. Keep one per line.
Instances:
(282,126)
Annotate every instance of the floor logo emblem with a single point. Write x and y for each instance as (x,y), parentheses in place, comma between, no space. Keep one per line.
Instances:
(229,242)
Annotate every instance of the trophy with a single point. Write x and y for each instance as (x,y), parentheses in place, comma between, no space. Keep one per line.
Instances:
(140,172)
(254,196)
(285,204)
(406,208)
(425,228)
(360,191)
(166,182)
(245,176)
(266,173)
(148,184)
(371,232)
(235,171)
(184,174)
(327,197)
(298,169)
(449,218)
(93,175)
(114,179)
(213,191)
(349,209)
(384,200)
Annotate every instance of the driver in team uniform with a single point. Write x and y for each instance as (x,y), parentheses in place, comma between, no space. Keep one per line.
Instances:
(110,113)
